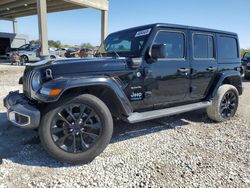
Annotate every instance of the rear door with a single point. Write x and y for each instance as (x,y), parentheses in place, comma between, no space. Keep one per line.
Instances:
(203,62)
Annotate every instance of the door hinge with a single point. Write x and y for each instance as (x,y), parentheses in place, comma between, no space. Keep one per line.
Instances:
(148,94)
(190,89)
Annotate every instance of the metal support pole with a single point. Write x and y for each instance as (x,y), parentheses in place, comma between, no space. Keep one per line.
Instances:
(43,28)
(104,24)
(14,22)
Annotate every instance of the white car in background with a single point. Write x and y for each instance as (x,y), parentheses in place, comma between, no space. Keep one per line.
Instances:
(61,51)
(32,54)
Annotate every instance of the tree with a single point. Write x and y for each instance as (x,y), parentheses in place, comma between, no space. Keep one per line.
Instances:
(55,44)
(34,42)
(87,45)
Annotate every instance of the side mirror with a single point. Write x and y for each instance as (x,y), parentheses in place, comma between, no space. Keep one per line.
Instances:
(134,63)
(159,51)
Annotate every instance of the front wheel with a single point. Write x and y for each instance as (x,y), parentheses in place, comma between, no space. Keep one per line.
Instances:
(76,130)
(247,76)
(24,59)
(224,104)
(52,57)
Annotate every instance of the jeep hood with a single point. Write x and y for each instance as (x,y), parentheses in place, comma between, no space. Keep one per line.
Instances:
(84,65)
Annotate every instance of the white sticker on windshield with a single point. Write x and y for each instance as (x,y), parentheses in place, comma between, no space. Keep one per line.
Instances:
(142,33)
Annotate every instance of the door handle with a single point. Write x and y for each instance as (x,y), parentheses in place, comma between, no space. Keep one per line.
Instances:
(183,70)
(211,69)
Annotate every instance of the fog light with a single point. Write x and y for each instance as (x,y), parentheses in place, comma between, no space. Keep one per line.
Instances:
(19,119)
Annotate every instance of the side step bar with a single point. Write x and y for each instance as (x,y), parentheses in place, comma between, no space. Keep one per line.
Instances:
(149,115)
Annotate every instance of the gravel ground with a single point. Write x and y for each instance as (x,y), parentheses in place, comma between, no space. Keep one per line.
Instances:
(186,150)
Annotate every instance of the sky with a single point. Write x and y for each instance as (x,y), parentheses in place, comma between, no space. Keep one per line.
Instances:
(84,25)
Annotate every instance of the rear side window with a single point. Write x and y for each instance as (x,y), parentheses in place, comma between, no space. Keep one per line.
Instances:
(175,42)
(228,48)
(203,46)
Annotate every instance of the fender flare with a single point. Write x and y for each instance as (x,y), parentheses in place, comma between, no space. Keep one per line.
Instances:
(72,83)
(234,78)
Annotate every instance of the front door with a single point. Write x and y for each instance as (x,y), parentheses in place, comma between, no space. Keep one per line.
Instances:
(203,63)
(167,80)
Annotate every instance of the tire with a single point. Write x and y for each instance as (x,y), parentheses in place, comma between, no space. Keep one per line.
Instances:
(246,76)
(221,108)
(52,57)
(24,59)
(85,154)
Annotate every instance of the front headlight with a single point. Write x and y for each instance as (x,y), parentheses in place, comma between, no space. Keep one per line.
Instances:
(36,81)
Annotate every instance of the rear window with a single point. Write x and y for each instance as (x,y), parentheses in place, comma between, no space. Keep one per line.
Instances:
(203,46)
(228,48)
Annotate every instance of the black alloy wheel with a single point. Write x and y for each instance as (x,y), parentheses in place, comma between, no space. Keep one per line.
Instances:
(75,128)
(229,104)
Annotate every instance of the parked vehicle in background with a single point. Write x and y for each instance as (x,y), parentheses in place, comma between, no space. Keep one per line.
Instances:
(141,74)
(61,52)
(25,47)
(85,52)
(52,49)
(27,52)
(11,41)
(246,64)
(30,53)
(72,52)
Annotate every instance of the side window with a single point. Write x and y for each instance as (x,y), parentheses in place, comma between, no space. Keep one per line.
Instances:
(228,48)
(175,42)
(203,46)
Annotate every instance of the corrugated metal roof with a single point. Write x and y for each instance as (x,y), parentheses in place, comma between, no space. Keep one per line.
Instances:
(10,9)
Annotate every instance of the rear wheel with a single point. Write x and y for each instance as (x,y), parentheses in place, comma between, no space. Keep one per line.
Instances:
(225,104)
(76,130)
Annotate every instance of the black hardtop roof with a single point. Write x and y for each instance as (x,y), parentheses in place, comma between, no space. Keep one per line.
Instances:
(166,25)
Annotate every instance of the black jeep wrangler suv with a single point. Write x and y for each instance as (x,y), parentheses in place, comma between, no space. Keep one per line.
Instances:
(138,74)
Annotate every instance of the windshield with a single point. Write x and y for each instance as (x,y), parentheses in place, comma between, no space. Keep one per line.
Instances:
(247,55)
(34,46)
(23,47)
(127,43)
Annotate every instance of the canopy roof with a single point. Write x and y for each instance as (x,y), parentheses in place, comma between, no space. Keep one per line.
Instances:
(10,9)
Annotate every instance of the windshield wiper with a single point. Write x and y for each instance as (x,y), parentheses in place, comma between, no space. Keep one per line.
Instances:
(117,55)
(99,54)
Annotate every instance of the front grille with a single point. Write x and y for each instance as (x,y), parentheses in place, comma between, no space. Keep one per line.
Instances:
(27,83)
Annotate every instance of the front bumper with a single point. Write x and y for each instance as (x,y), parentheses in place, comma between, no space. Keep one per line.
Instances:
(20,112)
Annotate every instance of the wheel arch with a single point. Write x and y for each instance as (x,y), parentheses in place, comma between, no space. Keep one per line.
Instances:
(52,57)
(226,77)
(106,89)
(24,55)
(104,93)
